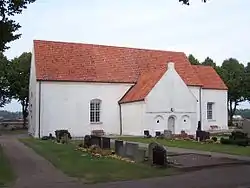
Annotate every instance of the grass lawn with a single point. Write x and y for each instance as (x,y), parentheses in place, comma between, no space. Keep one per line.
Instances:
(90,169)
(229,149)
(6,173)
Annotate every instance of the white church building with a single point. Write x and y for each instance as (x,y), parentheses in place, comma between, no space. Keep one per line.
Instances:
(120,90)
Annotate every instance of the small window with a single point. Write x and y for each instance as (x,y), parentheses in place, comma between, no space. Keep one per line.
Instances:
(210,110)
(95,108)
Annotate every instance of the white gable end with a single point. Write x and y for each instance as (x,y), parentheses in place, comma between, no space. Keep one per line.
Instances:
(171,92)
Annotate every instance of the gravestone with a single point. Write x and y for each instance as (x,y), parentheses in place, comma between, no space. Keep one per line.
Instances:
(87,141)
(105,143)
(96,140)
(140,155)
(119,148)
(159,156)
(130,150)
(168,134)
(246,127)
(157,134)
(150,150)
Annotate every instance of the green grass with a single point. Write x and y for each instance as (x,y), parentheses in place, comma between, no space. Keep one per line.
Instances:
(220,148)
(90,169)
(6,174)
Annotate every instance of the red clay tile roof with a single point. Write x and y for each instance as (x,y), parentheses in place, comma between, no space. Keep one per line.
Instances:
(98,63)
(145,83)
(62,61)
(209,77)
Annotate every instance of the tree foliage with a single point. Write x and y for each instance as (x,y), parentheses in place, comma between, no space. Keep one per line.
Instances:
(235,76)
(209,62)
(187,2)
(8,27)
(4,85)
(19,81)
(193,60)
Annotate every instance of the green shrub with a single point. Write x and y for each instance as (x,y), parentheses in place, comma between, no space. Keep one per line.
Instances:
(225,141)
(238,135)
(239,142)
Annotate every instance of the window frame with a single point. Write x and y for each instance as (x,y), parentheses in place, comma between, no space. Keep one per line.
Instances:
(95,111)
(210,111)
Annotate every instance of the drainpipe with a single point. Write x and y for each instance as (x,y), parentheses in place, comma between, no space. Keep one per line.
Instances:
(120,114)
(39,112)
(200,107)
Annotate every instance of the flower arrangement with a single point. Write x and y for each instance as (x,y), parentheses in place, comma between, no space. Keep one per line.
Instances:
(96,151)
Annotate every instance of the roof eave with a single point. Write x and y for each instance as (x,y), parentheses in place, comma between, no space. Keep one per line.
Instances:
(132,101)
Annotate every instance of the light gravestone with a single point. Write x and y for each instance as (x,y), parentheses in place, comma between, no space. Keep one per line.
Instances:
(140,155)
(150,150)
(167,134)
(119,148)
(130,150)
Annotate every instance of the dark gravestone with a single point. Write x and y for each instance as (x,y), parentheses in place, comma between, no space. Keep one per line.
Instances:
(157,134)
(96,140)
(105,143)
(87,141)
(131,150)
(147,134)
(159,156)
(119,149)
(199,126)
(202,135)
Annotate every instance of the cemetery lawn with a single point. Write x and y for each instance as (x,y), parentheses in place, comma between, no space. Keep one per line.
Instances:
(220,148)
(6,174)
(89,169)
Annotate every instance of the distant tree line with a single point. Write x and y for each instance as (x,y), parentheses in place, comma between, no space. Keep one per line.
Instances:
(10,115)
(245,113)
(235,75)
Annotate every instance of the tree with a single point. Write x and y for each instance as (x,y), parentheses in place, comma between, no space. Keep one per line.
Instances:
(209,62)
(18,77)
(193,60)
(4,97)
(8,27)
(247,72)
(233,74)
(187,2)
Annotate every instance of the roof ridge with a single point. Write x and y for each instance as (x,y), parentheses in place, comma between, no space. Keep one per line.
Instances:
(106,45)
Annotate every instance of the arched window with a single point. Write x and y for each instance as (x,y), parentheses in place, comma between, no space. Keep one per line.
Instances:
(95,110)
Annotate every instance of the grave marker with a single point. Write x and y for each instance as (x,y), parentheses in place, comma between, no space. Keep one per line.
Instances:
(119,148)
(150,150)
(130,150)
(105,143)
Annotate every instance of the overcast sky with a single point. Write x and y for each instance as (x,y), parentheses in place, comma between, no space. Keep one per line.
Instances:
(218,29)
